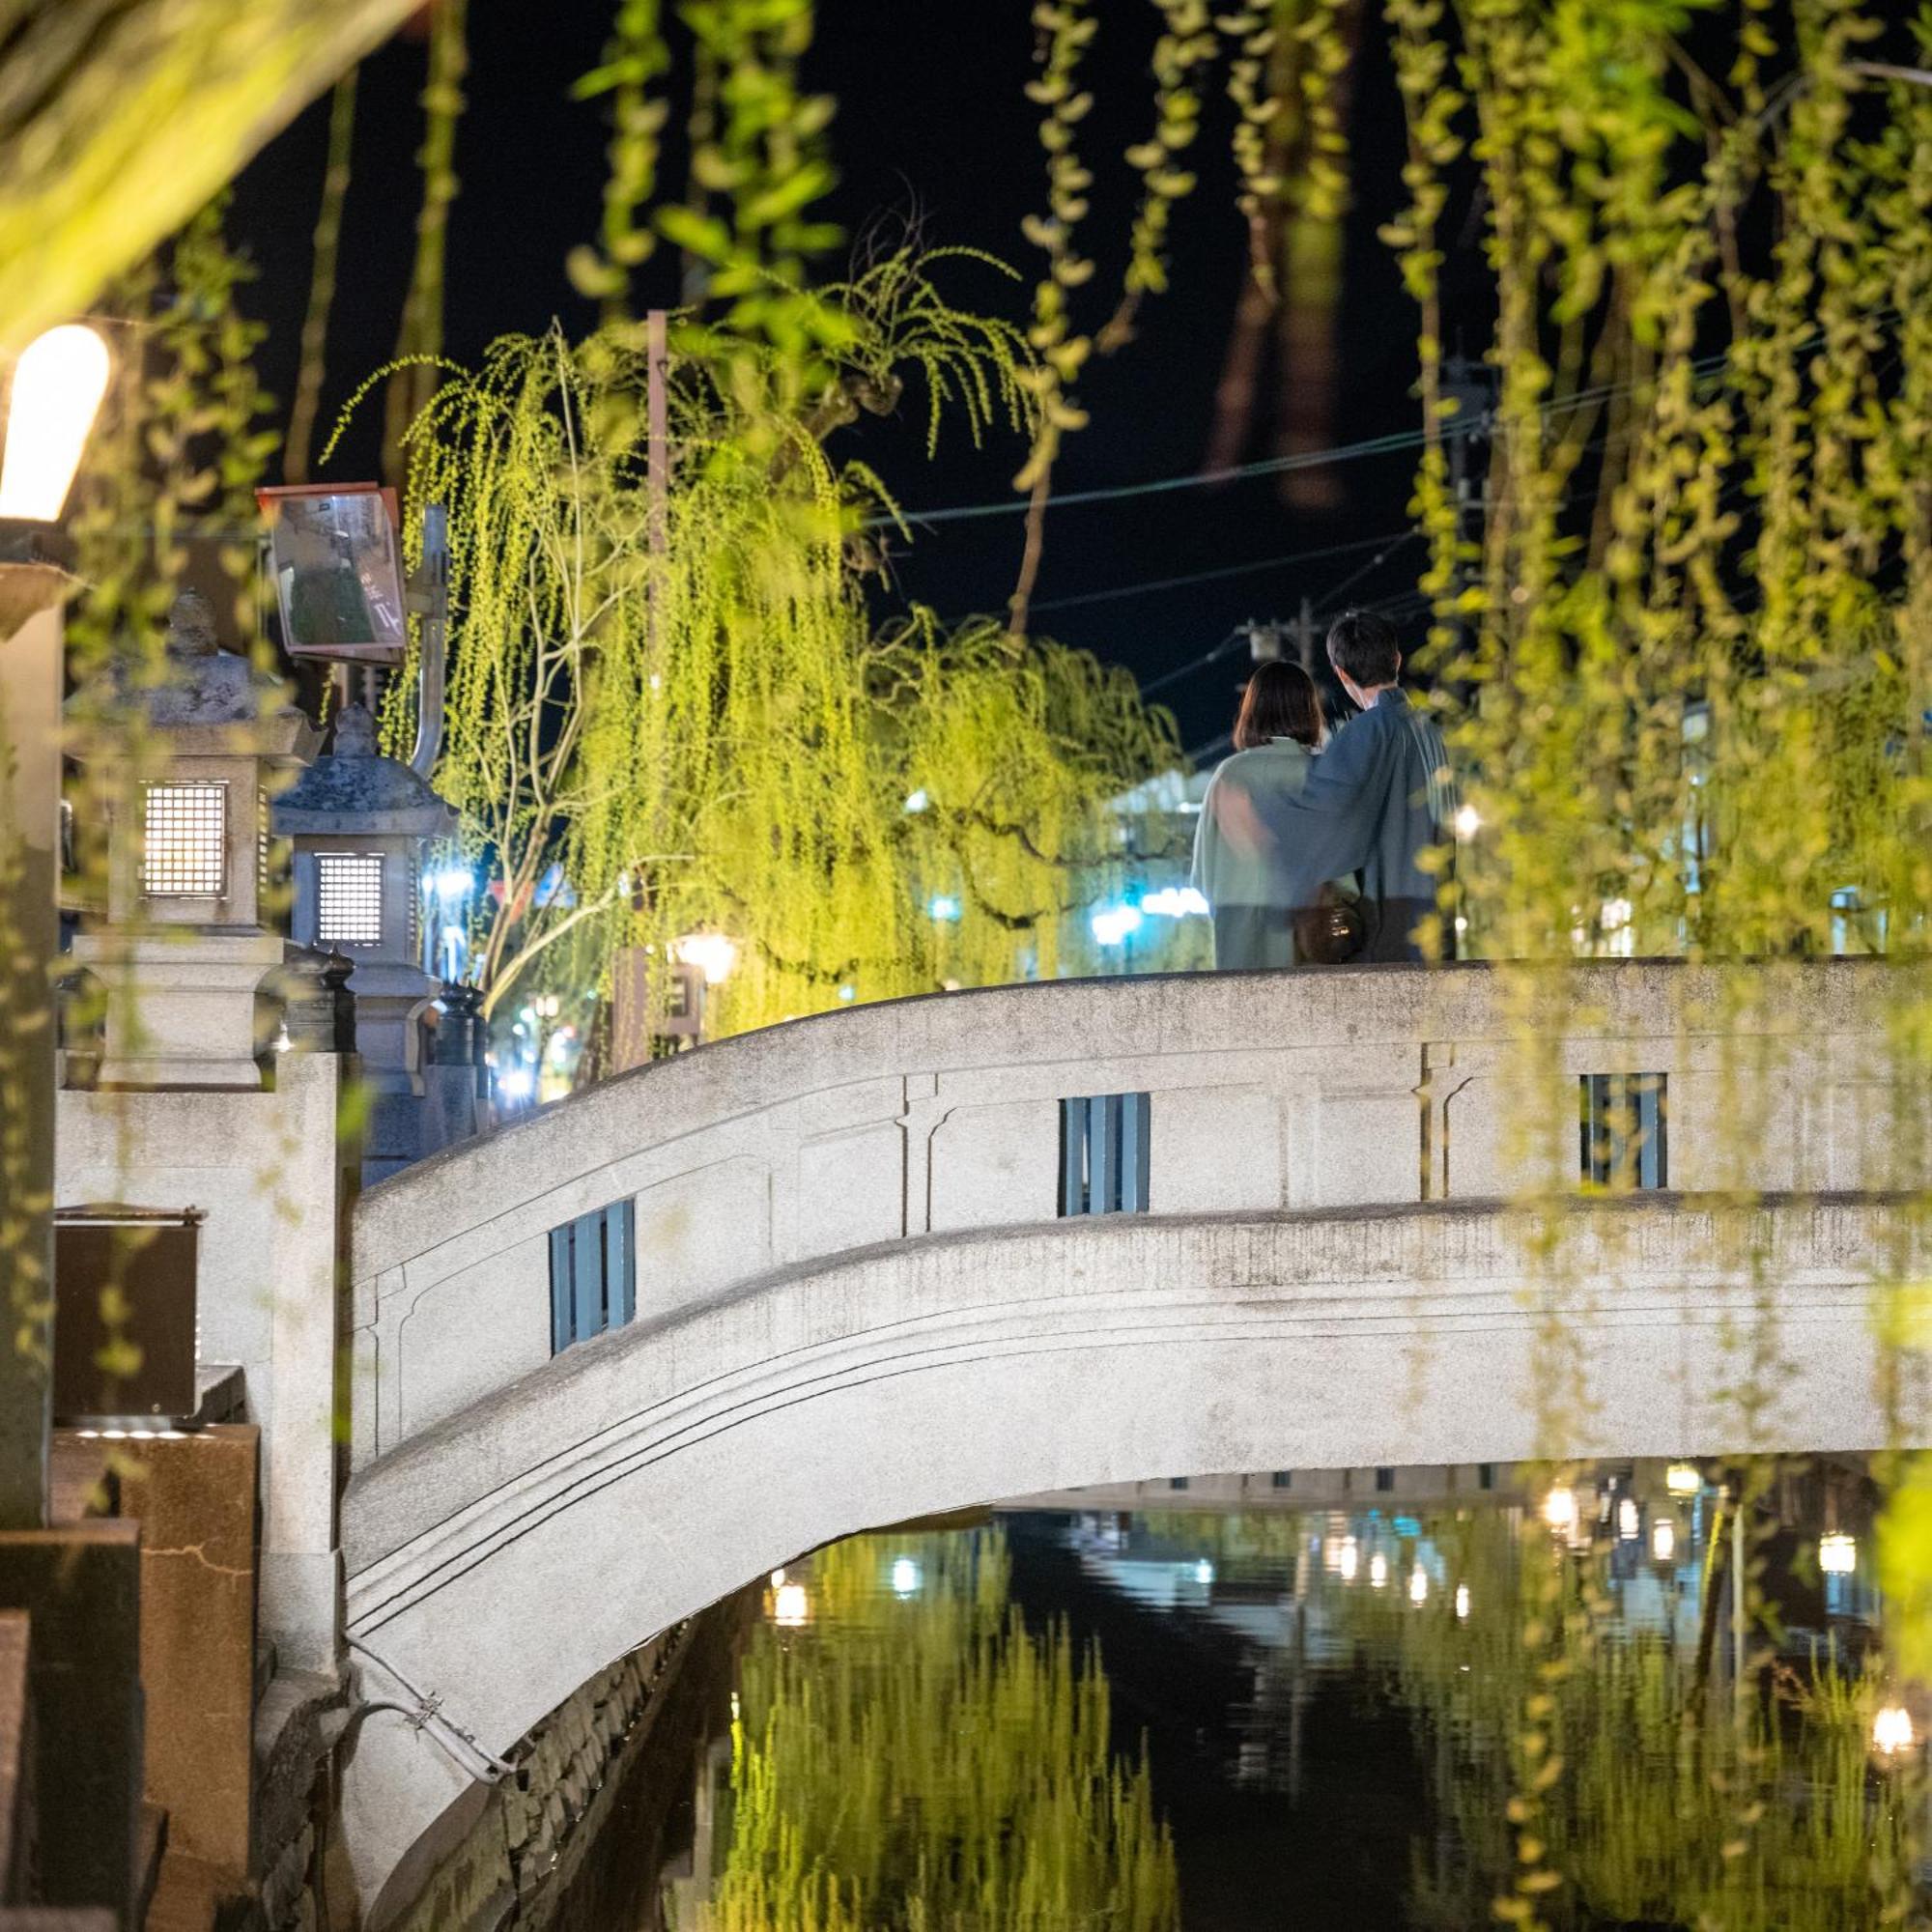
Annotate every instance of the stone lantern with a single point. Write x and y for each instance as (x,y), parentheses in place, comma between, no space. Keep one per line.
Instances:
(359,824)
(187,940)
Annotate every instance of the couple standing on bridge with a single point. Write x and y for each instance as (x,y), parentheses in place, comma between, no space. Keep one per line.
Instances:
(1311,850)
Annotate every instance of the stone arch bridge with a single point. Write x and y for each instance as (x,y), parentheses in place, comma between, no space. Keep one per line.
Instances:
(850,1273)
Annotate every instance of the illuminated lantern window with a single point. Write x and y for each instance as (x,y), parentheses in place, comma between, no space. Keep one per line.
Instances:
(185,841)
(349,899)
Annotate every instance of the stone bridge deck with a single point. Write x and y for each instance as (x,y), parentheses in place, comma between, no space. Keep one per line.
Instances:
(857,1300)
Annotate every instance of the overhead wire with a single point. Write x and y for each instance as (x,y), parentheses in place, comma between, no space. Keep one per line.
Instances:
(1256,566)
(1282,466)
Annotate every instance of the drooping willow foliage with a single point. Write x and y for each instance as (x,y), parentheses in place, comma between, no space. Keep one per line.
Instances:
(682,707)
(1683,659)
(1668,1789)
(121,117)
(932,1766)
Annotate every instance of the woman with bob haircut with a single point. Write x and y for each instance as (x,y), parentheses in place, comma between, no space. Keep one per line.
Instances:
(1276,739)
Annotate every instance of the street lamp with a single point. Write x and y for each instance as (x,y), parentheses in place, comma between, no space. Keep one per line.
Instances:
(56,392)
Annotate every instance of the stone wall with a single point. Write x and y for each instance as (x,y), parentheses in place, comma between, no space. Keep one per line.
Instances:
(507,1871)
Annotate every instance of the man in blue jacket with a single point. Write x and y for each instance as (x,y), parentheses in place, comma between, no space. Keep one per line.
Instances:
(1380,796)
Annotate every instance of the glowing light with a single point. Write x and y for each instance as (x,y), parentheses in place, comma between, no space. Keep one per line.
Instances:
(1348,1559)
(1682,1479)
(1204,1573)
(1469,821)
(790,1607)
(1378,1570)
(906,1578)
(1619,935)
(943,909)
(1461,1602)
(1629,1518)
(711,952)
(848,993)
(1559,1508)
(1893,1732)
(282,1041)
(452,883)
(917,801)
(1837,1554)
(778,1579)
(516,1084)
(1115,925)
(58,383)
(1174,903)
(1663,1539)
(1418,1585)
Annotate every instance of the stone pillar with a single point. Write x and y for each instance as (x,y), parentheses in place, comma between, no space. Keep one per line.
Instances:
(30,689)
(319,1010)
(456,1097)
(359,824)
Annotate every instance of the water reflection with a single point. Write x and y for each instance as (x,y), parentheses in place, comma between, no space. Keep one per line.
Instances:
(1386,1699)
(906,1754)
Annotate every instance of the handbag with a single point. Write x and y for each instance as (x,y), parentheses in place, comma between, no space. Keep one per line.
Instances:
(1333,931)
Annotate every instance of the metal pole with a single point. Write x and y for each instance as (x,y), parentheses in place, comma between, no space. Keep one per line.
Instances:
(1738,1595)
(657,425)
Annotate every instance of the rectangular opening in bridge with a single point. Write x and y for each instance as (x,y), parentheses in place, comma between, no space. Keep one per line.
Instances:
(1103,1154)
(592,1275)
(1624,1141)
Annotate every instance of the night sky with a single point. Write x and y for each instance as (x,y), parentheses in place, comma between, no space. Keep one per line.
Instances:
(932,121)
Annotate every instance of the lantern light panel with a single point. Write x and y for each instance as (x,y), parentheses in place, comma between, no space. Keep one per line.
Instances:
(185,841)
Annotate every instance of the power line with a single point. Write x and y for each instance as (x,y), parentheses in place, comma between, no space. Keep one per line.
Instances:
(1227,643)
(1281,466)
(1274,466)
(1355,577)
(1158,583)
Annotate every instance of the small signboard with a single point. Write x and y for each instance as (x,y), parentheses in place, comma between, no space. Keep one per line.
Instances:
(337,562)
(125,1314)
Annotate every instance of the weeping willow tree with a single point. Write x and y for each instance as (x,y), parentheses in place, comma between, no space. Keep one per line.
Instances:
(669,709)
(930,1765)
(1663,1797)
(1685,666)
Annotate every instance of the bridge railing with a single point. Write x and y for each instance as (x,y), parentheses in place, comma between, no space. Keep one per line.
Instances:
(1181,1096)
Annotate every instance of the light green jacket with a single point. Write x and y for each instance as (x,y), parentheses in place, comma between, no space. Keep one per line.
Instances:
(1229,867)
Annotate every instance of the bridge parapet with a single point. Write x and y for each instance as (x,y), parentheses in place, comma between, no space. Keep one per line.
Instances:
(1264,1093)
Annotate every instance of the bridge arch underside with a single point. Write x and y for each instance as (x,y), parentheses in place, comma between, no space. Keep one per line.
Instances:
(504,1556)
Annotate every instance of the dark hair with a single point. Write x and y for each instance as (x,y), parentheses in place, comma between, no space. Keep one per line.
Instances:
(1363,648)
(1281,701)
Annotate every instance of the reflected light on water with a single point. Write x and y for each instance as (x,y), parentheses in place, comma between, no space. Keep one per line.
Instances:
(1837,1554)
(1682,1479)
(1893,1733)
(1218,1654)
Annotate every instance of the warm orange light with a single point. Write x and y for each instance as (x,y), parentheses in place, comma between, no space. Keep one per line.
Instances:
(55,395)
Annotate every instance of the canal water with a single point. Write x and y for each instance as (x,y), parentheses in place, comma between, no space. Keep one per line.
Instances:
(1382,1698)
